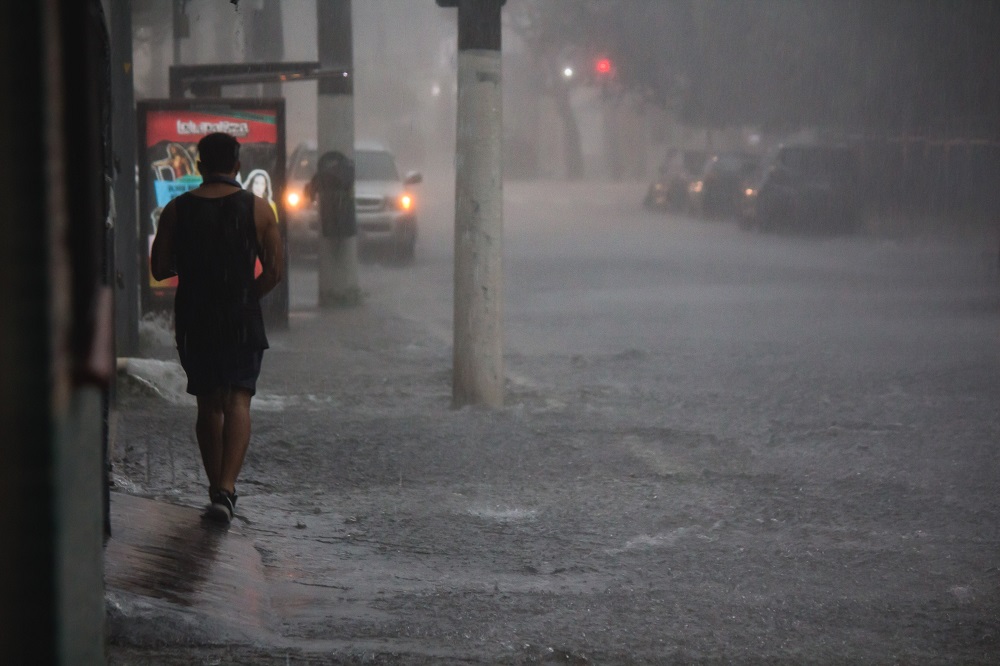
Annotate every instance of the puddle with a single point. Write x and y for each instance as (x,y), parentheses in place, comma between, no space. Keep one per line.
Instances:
(502,514)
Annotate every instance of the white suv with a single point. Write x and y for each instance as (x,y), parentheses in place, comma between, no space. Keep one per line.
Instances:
(384,203)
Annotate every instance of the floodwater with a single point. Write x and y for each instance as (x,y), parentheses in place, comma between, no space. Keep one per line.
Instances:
(716,445)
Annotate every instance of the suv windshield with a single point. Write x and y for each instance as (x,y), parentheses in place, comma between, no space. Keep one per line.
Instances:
(731,163)
(374,165)
(305,167)
(368,165)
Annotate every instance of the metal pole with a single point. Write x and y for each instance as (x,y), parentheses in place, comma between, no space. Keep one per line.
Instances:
(28,593)
(126,278)
(337,255)
(478,373)
(51,574)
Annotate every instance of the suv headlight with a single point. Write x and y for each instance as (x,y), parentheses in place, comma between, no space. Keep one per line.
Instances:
(403,202)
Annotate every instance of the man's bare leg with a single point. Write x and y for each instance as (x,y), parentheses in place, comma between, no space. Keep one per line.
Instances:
(209,430)
(235,436)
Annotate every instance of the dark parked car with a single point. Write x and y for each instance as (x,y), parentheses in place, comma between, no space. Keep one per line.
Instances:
(718,192)
(669,191)
(812,188)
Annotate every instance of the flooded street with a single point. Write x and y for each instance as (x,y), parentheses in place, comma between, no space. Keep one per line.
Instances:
(716,446)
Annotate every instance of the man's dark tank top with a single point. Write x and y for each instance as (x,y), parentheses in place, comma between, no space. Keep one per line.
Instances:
(216,306)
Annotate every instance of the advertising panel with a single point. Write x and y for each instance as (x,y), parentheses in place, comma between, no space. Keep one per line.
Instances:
(169,131)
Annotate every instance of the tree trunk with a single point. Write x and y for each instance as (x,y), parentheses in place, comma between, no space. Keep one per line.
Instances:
(573,153)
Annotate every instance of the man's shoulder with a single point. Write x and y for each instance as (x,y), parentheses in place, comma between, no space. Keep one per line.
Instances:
(180,200)
(252,200)
(261,205)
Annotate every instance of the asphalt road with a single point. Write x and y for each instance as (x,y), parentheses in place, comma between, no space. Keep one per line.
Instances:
(717,446)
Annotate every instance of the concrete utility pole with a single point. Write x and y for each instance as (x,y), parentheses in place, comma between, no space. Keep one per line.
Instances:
(478,374)
(337,255)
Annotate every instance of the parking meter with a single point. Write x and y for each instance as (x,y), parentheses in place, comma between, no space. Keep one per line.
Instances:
(333,185)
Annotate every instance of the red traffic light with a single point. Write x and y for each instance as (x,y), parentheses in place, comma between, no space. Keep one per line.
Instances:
(602,66)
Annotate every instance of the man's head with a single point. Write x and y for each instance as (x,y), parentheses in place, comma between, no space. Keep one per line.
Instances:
(218,153)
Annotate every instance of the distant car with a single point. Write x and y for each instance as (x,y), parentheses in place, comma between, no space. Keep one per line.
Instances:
(669,190)
(747,213)
(384,204)
(719,190)
(812,188)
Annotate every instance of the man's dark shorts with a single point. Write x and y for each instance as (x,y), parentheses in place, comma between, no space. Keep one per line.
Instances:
(207,373)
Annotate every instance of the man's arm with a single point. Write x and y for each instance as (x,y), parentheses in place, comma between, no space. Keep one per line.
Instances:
(161,257)
(272,256)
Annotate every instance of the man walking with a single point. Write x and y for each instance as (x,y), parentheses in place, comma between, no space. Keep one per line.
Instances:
(211,239)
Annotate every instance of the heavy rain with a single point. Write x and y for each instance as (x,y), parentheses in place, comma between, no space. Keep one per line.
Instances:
(747,310)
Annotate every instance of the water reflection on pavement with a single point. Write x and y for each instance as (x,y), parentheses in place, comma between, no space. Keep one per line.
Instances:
(169,552)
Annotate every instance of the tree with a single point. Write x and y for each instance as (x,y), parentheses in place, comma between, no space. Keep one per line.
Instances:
(549,37)
(923,66)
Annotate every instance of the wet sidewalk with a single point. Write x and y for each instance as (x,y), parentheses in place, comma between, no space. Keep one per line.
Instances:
(173,580)
(169,575)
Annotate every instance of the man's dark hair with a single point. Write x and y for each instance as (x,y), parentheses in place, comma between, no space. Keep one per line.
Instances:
(218,153)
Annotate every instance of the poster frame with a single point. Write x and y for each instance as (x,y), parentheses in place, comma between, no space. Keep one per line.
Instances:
(160,299)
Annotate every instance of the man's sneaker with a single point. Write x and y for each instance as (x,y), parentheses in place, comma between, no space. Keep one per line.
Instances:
(222,507)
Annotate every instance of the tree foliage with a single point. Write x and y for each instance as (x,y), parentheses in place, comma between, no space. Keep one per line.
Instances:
(919,66)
